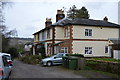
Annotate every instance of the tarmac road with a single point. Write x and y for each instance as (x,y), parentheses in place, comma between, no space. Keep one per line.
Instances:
(22,70)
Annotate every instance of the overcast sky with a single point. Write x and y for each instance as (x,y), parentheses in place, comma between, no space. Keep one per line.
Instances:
(27,17)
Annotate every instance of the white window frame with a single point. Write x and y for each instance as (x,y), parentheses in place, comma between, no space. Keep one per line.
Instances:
(88,32)
(88,50)
(64,50)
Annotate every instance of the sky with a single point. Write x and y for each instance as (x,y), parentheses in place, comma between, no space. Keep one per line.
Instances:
(28,17)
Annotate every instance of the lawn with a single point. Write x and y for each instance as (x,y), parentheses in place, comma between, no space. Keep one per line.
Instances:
(89,73)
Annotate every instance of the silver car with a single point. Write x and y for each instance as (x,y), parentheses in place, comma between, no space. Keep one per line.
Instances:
(5,65)
(53,60)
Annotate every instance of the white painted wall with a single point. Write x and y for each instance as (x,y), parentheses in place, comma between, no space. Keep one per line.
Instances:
(116,54)
(60,33)
(98,47)
(98,33)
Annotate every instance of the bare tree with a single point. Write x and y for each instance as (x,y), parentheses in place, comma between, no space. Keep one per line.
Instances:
(4,34)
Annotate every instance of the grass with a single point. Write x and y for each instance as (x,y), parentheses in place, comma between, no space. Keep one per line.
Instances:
(89,73)
(106,59)
(96,74)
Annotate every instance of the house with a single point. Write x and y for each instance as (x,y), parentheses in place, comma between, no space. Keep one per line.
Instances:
(88,37)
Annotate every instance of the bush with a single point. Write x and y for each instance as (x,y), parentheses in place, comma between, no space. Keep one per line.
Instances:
(104,66)
(33,59)
(77,55)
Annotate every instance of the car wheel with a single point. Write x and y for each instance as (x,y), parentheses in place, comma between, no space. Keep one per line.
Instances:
(49,63)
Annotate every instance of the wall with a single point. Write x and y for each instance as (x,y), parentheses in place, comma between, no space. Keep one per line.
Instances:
(98,32)
(98,48)
(98,40)
(116,54)
(60,33)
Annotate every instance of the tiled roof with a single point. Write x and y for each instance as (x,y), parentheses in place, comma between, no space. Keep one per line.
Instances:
(82,21)
(86,22)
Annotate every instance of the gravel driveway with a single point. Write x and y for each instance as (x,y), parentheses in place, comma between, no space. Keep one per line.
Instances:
(22,70)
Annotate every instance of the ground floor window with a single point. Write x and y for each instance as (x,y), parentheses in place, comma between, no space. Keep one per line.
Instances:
(88,50)
(106,49)
(64,50)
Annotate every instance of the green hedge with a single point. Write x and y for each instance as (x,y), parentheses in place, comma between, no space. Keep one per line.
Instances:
(111,67)
(32,59)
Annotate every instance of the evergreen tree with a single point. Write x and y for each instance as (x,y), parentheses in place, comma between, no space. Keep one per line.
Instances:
(73,12)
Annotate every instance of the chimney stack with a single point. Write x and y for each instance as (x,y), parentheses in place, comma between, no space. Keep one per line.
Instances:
(60,15)
(105,18)
(48,22)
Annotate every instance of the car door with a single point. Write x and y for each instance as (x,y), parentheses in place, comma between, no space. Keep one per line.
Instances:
(58,59)
(6,68)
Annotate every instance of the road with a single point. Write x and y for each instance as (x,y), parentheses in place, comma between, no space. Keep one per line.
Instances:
(22,70)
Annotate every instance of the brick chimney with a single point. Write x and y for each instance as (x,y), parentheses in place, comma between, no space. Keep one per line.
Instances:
(105,18)
(48,22)
(60,15)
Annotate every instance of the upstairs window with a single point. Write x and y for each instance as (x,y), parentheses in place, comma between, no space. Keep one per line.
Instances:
(66,32)
(88,32)
(36,38)
(43,35)
(88,50)
(48,34)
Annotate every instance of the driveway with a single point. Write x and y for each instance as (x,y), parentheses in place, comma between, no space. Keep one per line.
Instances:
(22,70)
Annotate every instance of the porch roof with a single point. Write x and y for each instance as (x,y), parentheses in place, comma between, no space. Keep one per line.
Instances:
(59,43)
(115,40)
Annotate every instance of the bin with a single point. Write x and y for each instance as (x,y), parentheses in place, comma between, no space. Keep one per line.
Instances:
(73,63)
(65,62)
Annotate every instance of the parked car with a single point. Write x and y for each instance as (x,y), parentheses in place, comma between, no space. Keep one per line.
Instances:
(53,60)
(5,65)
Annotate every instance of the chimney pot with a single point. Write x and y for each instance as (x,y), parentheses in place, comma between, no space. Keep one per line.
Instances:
(105,18)
(60,15)
(48,22)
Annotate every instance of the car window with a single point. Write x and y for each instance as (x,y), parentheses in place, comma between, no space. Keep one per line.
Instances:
(59,55)
(5,61)
(8,57)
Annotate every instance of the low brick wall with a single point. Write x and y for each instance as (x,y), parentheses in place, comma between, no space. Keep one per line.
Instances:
(112,67)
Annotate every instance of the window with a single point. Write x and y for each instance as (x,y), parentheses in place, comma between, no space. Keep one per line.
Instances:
(88,50)
(64,50)
(48,33)
(106,49)
(66,32)
(88,32)
(5,61)
(59,55)
(36,37)
(43,36)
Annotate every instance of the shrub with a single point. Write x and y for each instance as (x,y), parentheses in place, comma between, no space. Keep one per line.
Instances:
(33,59)
(77,55)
